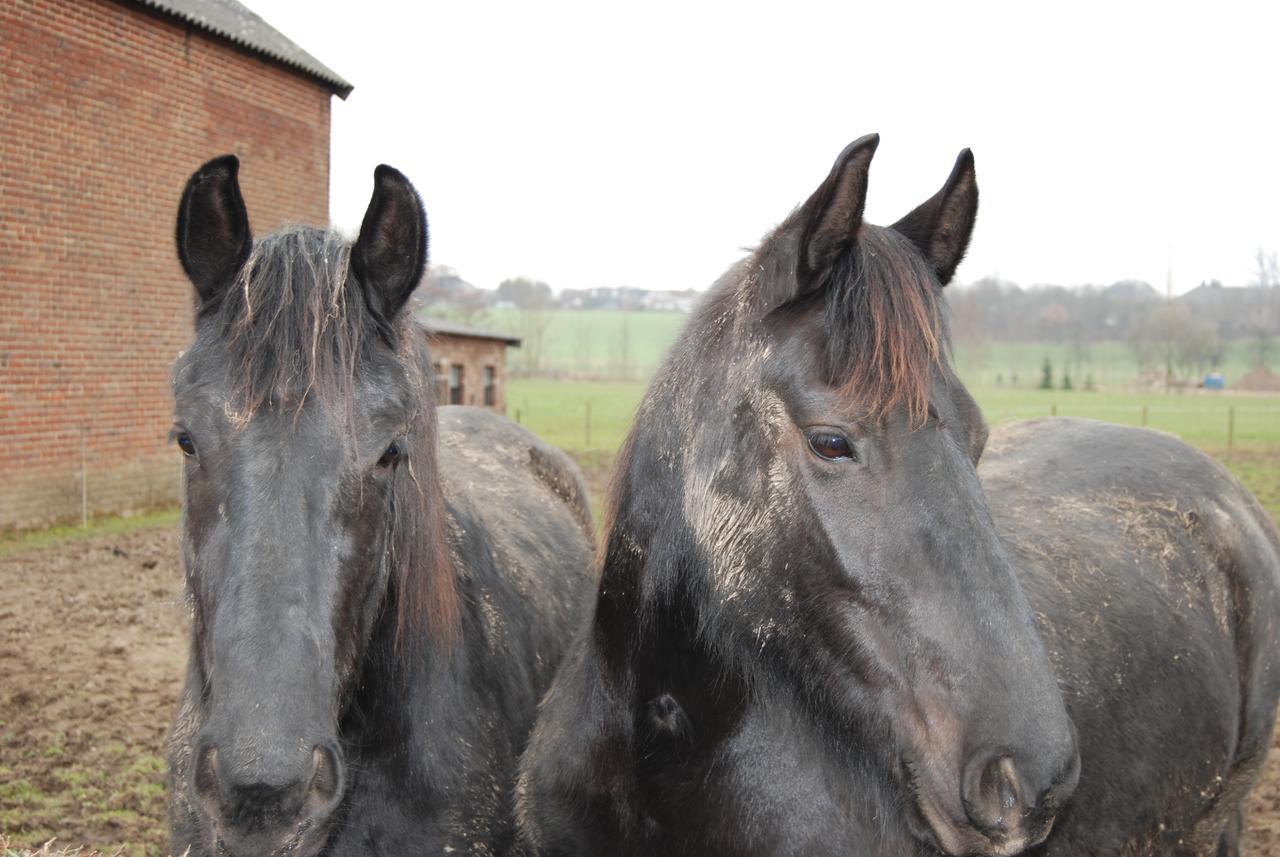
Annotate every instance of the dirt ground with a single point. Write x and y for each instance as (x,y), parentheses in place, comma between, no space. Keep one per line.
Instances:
(92,649)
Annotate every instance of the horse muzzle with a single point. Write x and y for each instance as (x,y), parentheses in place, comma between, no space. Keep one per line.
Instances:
(1003,808)
(252,811)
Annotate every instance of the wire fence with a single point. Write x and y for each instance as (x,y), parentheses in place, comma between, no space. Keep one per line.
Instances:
(1227,427)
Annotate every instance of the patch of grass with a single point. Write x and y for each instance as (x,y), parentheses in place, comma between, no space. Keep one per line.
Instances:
(597,343)
(1260,472)
(1110,363)
(17,542)
(145,765)
(556,411)
(107,793)
(1199,418)
(19,792)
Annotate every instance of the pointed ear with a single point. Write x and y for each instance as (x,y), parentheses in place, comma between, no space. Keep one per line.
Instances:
(213,228)
(941,227)
(391,251)
(832,215)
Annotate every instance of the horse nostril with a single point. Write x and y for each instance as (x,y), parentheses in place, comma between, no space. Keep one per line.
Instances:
(325,786)
(205,773)
(993,796)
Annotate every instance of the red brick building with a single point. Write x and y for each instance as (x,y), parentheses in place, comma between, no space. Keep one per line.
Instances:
(471,364)
(106,108)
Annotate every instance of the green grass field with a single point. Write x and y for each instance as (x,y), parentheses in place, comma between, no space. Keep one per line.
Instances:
(631,344)
(1110,364)
(557,412)
(596,343)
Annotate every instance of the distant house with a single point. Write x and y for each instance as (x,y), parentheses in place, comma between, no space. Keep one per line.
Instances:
(1238,311)
(669,301)
(109,106)
(471,364)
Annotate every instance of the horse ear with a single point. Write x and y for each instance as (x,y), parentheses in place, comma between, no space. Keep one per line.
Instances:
(832,216)
(391,251)
(941,227)
(213,228)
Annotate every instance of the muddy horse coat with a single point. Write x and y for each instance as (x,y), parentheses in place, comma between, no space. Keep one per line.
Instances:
(816,632)
(380,591)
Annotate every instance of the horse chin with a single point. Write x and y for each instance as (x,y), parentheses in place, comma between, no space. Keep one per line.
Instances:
(307,839)
(942,830)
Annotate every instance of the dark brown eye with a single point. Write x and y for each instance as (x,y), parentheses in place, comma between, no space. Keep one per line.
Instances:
(830,445)
(390,457)
(185,443)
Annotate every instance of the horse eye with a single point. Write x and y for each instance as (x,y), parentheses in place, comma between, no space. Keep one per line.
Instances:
(830,445)
(389,457)
(185,444)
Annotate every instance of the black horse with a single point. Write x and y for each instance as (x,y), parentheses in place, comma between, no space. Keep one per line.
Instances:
(377,607)
(811,637)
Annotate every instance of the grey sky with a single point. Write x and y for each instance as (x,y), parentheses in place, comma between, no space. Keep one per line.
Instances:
(602,145)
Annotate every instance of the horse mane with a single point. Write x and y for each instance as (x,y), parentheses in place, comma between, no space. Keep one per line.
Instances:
(885,328)
(296,328)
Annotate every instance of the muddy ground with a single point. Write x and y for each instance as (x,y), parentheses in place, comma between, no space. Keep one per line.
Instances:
(92,648)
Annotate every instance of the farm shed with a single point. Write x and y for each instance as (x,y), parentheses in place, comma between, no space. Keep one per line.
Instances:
(471,364)
(107,107)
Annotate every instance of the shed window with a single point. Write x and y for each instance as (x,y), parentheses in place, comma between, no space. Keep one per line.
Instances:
(455,385)
(490,391)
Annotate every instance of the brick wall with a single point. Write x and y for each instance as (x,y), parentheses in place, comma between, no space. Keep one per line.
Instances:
(472,355)
(105,110)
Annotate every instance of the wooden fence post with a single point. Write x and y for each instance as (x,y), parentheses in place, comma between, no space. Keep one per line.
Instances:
(84,478)
(1231,430)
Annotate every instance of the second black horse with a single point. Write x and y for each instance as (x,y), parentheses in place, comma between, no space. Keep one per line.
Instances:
(812,637)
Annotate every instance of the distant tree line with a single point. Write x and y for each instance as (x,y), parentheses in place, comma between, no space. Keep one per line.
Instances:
(1179,337)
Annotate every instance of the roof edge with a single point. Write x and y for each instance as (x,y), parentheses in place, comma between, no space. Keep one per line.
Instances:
(305,63)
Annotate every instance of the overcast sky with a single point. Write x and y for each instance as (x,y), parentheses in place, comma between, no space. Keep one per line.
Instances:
(646,144)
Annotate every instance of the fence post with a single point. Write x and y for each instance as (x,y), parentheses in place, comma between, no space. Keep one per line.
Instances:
(84,478)
(1231,430)
(1144,416)
(588,432)
(1053,409)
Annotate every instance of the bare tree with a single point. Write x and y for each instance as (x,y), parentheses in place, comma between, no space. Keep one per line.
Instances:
(536,308)
(1267,273)
(1264,325)
(1186,345)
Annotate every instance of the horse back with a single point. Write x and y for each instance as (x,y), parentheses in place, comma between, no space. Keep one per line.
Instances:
(1153,575)
(521,534)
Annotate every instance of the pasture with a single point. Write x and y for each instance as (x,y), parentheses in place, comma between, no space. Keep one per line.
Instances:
(591,418)
(93,629)
(630,344)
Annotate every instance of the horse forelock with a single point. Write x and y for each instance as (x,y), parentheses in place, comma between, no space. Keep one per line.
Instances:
(294,324)
(295,328)
(885,330)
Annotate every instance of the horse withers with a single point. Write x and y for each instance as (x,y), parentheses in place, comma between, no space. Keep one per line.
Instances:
(811,636)
(380,591)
